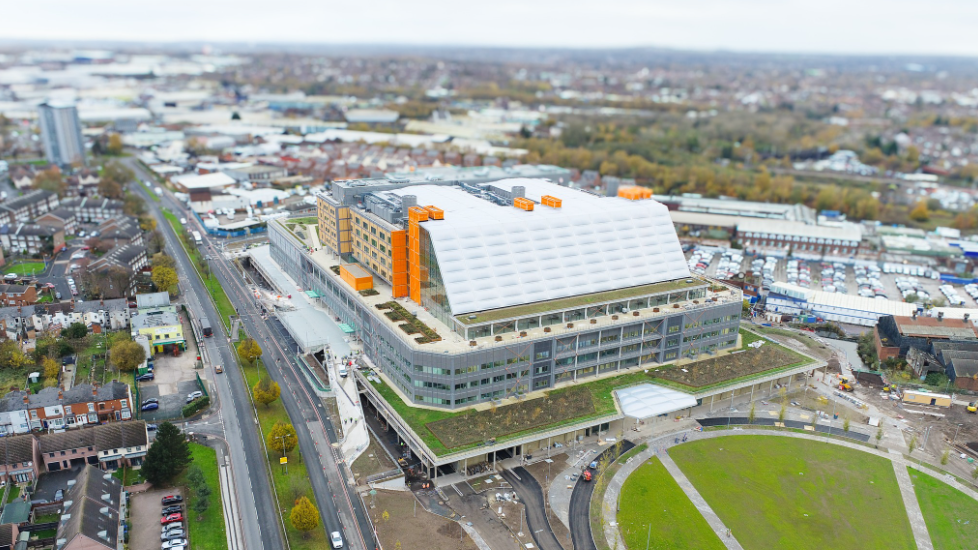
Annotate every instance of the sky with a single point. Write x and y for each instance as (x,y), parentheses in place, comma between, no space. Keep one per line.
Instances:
(917,27)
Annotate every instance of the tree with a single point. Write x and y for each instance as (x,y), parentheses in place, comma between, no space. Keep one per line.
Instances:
(11,357)
(266,391)
(147,223)
(249,350)
(751,414)
(75,331)
(879,435)
(974,473)
(155,242)
(784,405)
(282,438)
(945,456)
(845,424)
(164,278)
(920,213)
(51,368)
(115,144)
(195,476)
(167,456)
(160,259)
(127,355)
(50,180)
(201,505)
(913,443)
(132,205)
(304,516)
(109,189)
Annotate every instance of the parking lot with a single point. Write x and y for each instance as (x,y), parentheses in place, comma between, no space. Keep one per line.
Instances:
(883,280)
(144,519)
(174,379)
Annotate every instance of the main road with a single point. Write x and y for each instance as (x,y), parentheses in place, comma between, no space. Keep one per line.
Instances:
(340,507)
(259,523)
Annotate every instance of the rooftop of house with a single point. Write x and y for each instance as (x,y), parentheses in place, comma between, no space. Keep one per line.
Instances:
(81,393)
(92,508)
(152,299)
(16,449)
(30,197)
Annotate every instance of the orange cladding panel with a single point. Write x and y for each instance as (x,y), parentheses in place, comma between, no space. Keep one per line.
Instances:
(435,213)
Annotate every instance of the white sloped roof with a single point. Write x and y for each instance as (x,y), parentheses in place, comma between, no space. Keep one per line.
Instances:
(648,400)
(493,256)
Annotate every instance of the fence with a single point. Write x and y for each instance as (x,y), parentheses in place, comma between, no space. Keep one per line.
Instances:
(201,384)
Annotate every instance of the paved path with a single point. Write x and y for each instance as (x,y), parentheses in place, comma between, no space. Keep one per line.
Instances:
(917,523)
(694,496)
(536,515)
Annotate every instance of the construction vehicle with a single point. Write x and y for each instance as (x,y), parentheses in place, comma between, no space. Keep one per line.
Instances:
(844,384)
(586,475)
(973,407)
(589,471)
(886,389)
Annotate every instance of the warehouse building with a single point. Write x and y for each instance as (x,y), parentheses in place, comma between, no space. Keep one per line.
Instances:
(789,299)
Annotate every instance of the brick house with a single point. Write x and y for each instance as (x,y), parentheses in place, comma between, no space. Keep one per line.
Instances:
(60,218)
(20,456)
(28,206)
(17,295)
(109,446)
(95,508)
(53,408)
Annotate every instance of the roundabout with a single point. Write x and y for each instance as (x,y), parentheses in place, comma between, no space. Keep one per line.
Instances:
(762,489)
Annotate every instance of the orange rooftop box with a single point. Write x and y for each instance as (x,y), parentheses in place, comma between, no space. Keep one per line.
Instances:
(635,193)
(356,276)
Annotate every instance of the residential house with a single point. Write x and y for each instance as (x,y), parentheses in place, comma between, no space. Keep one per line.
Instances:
(8,536)
(20,456)
(28,206)
(13,416)
(54,408)
(17,295)
(32,238)
(102,315)
(14,321)
(121,444)
(22,177)
(121,231)
(85,182)
(94,510)
(93,209)
(60,218)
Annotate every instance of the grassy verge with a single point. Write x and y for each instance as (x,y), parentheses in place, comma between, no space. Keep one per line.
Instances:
(651,496)
(951,516)
(129,476)
(24,268)
(206,530)
(775,492)
(219,297)
(291,483)
(13,493)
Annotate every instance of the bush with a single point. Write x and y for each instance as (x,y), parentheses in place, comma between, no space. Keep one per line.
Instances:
(196,406)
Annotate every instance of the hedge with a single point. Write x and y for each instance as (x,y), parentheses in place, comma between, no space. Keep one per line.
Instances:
(196,405)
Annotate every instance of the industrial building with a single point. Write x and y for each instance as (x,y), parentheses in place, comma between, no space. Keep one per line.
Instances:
(789,299)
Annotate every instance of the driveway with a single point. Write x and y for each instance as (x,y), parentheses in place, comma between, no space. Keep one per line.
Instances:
(144,519)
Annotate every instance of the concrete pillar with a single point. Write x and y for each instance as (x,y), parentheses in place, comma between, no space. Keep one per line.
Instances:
(465,469)
(549,446)
(712,397)
(494,461)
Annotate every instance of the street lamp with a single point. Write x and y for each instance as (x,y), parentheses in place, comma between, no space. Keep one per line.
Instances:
(955,435)
(282,437)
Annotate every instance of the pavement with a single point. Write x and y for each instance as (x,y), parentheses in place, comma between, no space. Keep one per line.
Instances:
(528,489)
(579,511)
(917,523)
(257,508)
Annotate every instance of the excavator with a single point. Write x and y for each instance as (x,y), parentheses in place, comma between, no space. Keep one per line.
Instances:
(973,407)
(844,384)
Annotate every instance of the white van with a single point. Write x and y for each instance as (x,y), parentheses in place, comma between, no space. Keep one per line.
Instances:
(341,370)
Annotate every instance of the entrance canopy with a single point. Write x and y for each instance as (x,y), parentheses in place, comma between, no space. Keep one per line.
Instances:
(648,400)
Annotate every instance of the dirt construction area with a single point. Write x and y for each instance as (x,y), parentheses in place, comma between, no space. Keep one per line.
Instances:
(478,426)
(393,515)
(144,517)
(728,367)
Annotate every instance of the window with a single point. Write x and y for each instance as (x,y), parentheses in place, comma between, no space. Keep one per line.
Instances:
(542,355)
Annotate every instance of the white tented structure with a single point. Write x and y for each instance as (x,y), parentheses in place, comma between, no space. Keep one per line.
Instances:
(492,256)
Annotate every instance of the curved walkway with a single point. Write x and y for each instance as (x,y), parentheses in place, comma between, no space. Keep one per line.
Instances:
(659,447)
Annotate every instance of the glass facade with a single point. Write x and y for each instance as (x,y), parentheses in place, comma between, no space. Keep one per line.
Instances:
(433,295)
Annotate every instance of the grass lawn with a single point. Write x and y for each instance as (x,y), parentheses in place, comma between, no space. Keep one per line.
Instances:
(289,483)
(951,516)
(779,492)
(218,296)
(24,268)
(208,533)
(129,476)
(13,493)
(652,497)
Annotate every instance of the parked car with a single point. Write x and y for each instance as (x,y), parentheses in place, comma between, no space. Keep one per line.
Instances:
(172,518)
(145,377)
(150,407)
(151,427)
(170,528)
(168,545)
(173,534)
(172,509)
(336,539)
(151,400)
(194,395)
(171,499)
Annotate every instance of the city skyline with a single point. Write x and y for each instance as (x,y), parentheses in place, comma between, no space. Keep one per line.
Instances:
(893,28)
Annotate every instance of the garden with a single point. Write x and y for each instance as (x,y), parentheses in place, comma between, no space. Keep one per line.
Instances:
(729,367)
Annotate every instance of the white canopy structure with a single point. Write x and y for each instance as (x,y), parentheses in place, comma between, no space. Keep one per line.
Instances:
(648,400)
(493,256)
